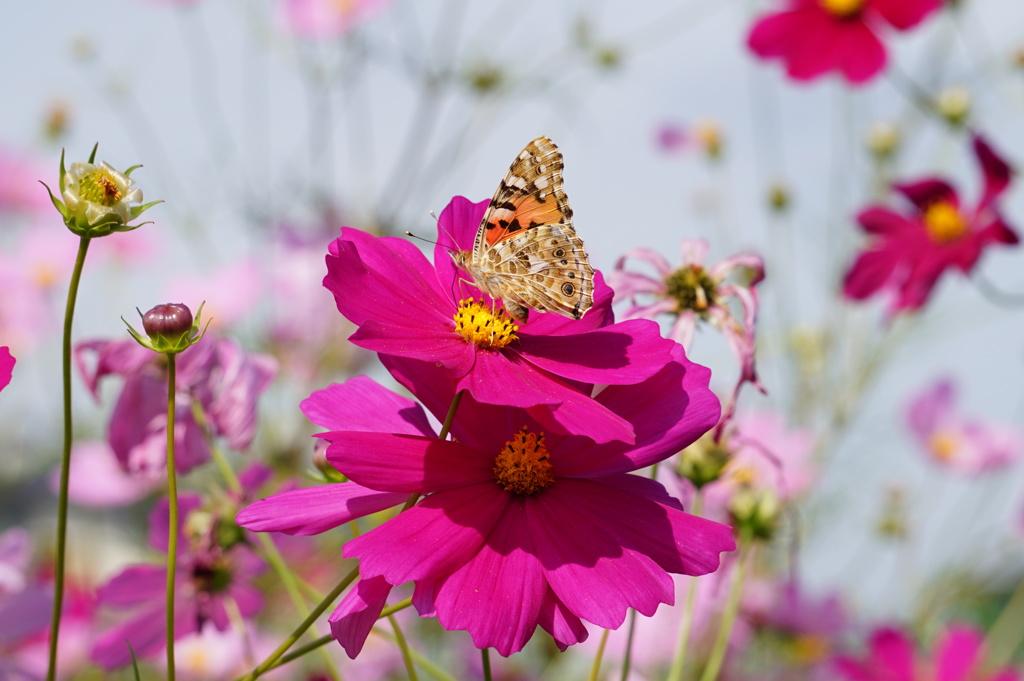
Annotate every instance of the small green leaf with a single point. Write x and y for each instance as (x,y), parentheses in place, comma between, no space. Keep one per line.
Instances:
(92,156)
(129,171)
(57,203)
(138,210)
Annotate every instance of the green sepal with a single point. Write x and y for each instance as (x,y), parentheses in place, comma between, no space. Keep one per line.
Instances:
(135,661)
(128,172)
(63,172)
(138,210)
(163,345)
(129,228)
(57,203)
(92,156)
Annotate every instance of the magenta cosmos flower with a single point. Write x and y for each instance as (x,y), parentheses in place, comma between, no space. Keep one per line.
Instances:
(958,657)
(7,363)
(406,308)
(910,250)
(217,374)
(694,293)
(814,37)
(956,441)
(518,527)
(212,581)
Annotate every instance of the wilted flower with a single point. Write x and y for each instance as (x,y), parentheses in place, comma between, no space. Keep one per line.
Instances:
(909,251)
(814,37)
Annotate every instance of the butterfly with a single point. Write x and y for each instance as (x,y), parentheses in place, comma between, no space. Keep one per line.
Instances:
(526,251)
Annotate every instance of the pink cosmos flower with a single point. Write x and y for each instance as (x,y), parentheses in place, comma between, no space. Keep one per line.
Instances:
(408,310)
(814,37)
(327,18)
(958,442)
(218,374)
(24,605)
(97,479)
(213,580)
(958,657)
(692,293)
(20,191)
(7,363)
(230,292)
(909,251)
(518,527)
(672,138)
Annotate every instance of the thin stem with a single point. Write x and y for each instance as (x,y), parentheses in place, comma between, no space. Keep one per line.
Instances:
(732,606)
(301,629)
(450,416)
(675,672)
(1006,634)
(485,658)
(627,659)
(595,668)
(65,466)
(172,507)
(410,668)
(422,661)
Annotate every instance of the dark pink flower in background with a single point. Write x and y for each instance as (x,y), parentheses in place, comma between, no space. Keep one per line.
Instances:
(226,381)
(693,293)
(815,37)
(672,138)
(7,363)
(327,18)
(956,441)
(957,656)
(910,250)
(406,308)
(518,527)
(213,581)
(98,480)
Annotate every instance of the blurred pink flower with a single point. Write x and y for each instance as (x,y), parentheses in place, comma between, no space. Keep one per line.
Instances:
(7,363)
(327,18)
(694,293)
(672,138)
(230,292)
(958,442)
(97,479)
(909,251)
(957,656)
(814,37)
(24,604)
(20,191)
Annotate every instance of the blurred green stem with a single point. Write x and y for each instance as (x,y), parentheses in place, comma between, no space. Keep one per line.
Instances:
(1006,633)
(410,668)
(65,463)
(172,510)
(485,658)
(686,624)
(732,607)
(595,669)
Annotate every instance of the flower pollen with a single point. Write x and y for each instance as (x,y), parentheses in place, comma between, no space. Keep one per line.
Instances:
(100,187)
(692,287)
(843,8)
(524,467)
(484,326)
(943,445)
(944,222)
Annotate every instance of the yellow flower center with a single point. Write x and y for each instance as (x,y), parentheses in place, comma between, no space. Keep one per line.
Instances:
(524,467)
(484,326)
(944,222)
(808,649)
(99,187)
(843,8)
(692,287)
(741,475)
(44,275)
(943,445)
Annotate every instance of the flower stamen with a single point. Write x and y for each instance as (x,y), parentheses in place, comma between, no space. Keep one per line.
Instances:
(943,445)
(99,187)
(524,467)
(944,222)
(843,8)
(692,288)
(484,326)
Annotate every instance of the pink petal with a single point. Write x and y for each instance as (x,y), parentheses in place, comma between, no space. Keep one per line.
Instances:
(749,261)
(6,366)
(885,222)
(362,404)
(357,612)
(995,171)
(926,192)
(432,539)
(438,343)
(456,231)
(858,53)
(123,358)
(647,255)
(693,251)
(959,650)
(97,480)
(904,14)
(134,585)
(628,285)
(893,649)
(556,619)
(496,596)
(407,463)
(313,510)
(683,328)
(931,409)
(870,273)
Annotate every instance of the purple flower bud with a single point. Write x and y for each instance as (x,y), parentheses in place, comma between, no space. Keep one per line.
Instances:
(170,321)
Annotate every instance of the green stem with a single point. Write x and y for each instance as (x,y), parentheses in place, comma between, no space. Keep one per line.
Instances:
(172,507)
(423,662)
(595,668)
(301,629)
(1006,634)
(675,672)
(450,416)
(403,645)
(627,658)
(65,465)
(732,607)
(485,658)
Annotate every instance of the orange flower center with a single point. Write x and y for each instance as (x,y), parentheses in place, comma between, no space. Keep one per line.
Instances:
(843,8)
(484,326)
(524,467)
(944,222)
(943,445)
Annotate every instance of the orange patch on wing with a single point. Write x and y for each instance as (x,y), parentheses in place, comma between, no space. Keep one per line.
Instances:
(529,212)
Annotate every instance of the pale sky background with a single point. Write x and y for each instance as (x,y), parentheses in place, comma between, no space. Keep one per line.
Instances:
(220,106)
